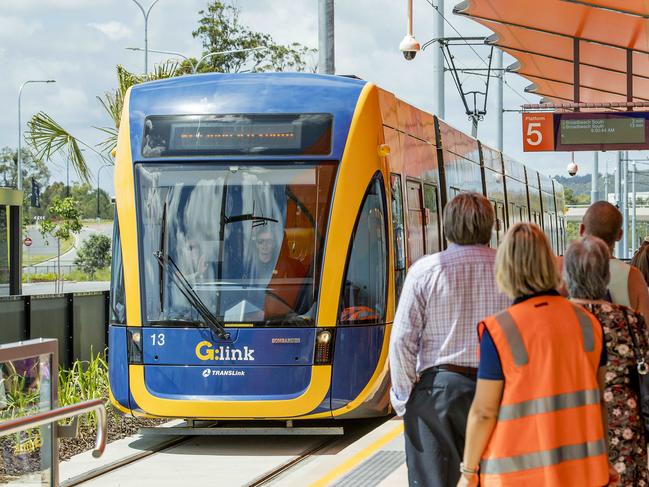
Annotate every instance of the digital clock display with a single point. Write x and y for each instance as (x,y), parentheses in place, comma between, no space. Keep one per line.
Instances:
(605,130)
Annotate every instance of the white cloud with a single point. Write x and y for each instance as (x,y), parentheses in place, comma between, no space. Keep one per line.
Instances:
(113,30)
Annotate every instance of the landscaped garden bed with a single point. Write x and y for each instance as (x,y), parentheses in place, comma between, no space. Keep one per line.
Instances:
(20,396)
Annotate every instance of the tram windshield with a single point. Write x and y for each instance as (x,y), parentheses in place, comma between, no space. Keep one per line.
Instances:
(248,240)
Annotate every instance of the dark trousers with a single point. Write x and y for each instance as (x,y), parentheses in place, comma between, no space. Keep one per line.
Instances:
(435,426)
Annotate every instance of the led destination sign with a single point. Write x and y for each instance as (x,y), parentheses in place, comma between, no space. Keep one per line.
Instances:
(237,134)
(582,131)
(625,130)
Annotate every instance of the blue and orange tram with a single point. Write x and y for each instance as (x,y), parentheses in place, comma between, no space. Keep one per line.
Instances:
(264,226)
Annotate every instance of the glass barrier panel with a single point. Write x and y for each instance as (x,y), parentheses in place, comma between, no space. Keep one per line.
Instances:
(26,389)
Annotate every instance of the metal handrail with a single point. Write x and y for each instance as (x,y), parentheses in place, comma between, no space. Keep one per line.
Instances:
(47,417)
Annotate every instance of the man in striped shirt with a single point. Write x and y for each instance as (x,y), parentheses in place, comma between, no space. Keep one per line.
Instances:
(434,343)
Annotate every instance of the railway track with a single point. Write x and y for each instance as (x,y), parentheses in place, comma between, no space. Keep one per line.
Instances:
(244,460)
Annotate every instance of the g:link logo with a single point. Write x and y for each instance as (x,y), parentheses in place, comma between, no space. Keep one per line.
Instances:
(206,351)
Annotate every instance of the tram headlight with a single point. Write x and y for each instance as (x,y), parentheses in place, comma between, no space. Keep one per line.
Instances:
(324,347)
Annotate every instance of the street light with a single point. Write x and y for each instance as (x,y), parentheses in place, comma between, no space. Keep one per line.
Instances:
(200,61)
(146,31)
(19,165)
(98,174)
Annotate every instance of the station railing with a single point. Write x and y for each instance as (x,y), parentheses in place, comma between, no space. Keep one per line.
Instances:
(29,414)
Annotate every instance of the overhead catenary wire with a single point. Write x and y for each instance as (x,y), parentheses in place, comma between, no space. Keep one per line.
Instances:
(430,2)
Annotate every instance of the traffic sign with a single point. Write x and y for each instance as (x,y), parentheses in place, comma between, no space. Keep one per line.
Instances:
(28,242)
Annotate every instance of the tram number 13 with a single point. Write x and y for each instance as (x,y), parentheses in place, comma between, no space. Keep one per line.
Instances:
(538,132)
(158,339)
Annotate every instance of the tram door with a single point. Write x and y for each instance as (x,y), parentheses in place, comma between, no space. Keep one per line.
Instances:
(416,236)
(431,219)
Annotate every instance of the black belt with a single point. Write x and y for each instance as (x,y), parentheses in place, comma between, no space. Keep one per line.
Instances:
(470,372)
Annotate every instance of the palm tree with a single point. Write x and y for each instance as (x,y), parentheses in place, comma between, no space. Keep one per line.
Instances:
(48,137)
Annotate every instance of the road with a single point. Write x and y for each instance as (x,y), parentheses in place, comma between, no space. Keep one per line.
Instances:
(41,246)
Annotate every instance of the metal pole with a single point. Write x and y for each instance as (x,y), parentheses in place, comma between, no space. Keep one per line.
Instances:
(146,13)
(326,46)
(19,159)
(594,188)
(606,181)
(618,196)
(438,62)
(499,99)
(634,242)
(625,212)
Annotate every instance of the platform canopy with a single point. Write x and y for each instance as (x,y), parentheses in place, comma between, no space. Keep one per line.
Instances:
(572,50)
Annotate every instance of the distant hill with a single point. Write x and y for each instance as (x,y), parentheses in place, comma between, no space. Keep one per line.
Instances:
(581,184)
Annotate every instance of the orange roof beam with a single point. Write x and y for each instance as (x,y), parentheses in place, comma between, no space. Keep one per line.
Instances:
(609,7)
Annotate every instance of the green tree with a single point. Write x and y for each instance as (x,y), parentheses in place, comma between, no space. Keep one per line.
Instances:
(220,29)
(47,137)
(94,254)
(63,220)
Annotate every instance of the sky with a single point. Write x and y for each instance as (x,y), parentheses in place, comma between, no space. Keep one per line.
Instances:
(79,42)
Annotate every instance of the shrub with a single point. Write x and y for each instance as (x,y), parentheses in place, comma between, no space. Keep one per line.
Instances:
(94,254)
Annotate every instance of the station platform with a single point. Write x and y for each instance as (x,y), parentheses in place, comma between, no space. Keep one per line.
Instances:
(370,453)
(376,459)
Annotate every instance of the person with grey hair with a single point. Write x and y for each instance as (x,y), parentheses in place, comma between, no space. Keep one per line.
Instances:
(587,276)
(434,345)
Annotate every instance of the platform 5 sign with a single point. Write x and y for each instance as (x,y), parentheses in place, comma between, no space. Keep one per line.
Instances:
(538,132)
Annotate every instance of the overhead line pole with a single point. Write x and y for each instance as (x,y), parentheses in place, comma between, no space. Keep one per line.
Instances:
(438,61)
(500,74)
(326,39)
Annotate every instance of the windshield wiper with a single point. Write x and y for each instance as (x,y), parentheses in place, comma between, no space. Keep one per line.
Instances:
(179,279)
(247,217)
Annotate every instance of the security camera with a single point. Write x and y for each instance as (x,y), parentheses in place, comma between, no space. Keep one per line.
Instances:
(572,169)
(409,47)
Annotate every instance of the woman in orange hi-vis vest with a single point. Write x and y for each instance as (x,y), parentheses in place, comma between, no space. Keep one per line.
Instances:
(537,418)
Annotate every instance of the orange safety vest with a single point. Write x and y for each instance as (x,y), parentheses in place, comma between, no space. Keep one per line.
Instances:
(549,430)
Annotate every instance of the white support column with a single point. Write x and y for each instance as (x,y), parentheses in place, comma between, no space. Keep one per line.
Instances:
(634,215)
(625,207)
(594,188)
(618,196)
(438,62)
(499,99)
(326,44)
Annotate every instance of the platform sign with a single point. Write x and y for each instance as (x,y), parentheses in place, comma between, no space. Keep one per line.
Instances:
(577,131)
(538,132)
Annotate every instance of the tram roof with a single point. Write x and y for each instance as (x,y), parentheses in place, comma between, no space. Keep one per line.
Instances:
(613,39)
(252,93)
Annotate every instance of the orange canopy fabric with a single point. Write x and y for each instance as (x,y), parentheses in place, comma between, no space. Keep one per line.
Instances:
(541,36)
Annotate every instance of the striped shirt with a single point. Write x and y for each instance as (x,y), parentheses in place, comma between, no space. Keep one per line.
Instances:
(443,299)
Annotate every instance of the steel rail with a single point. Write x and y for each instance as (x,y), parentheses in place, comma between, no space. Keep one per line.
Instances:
(65,412)
(285,467)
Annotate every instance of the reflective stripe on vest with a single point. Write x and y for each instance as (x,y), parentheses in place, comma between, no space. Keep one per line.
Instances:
(586,328)
(515,341)
(547,458)
(548,404)
(513,337)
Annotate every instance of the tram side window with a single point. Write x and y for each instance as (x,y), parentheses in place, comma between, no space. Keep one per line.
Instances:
(117,294)
(399,233)
(364,291)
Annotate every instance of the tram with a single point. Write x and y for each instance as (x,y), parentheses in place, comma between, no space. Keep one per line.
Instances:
(264,225)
